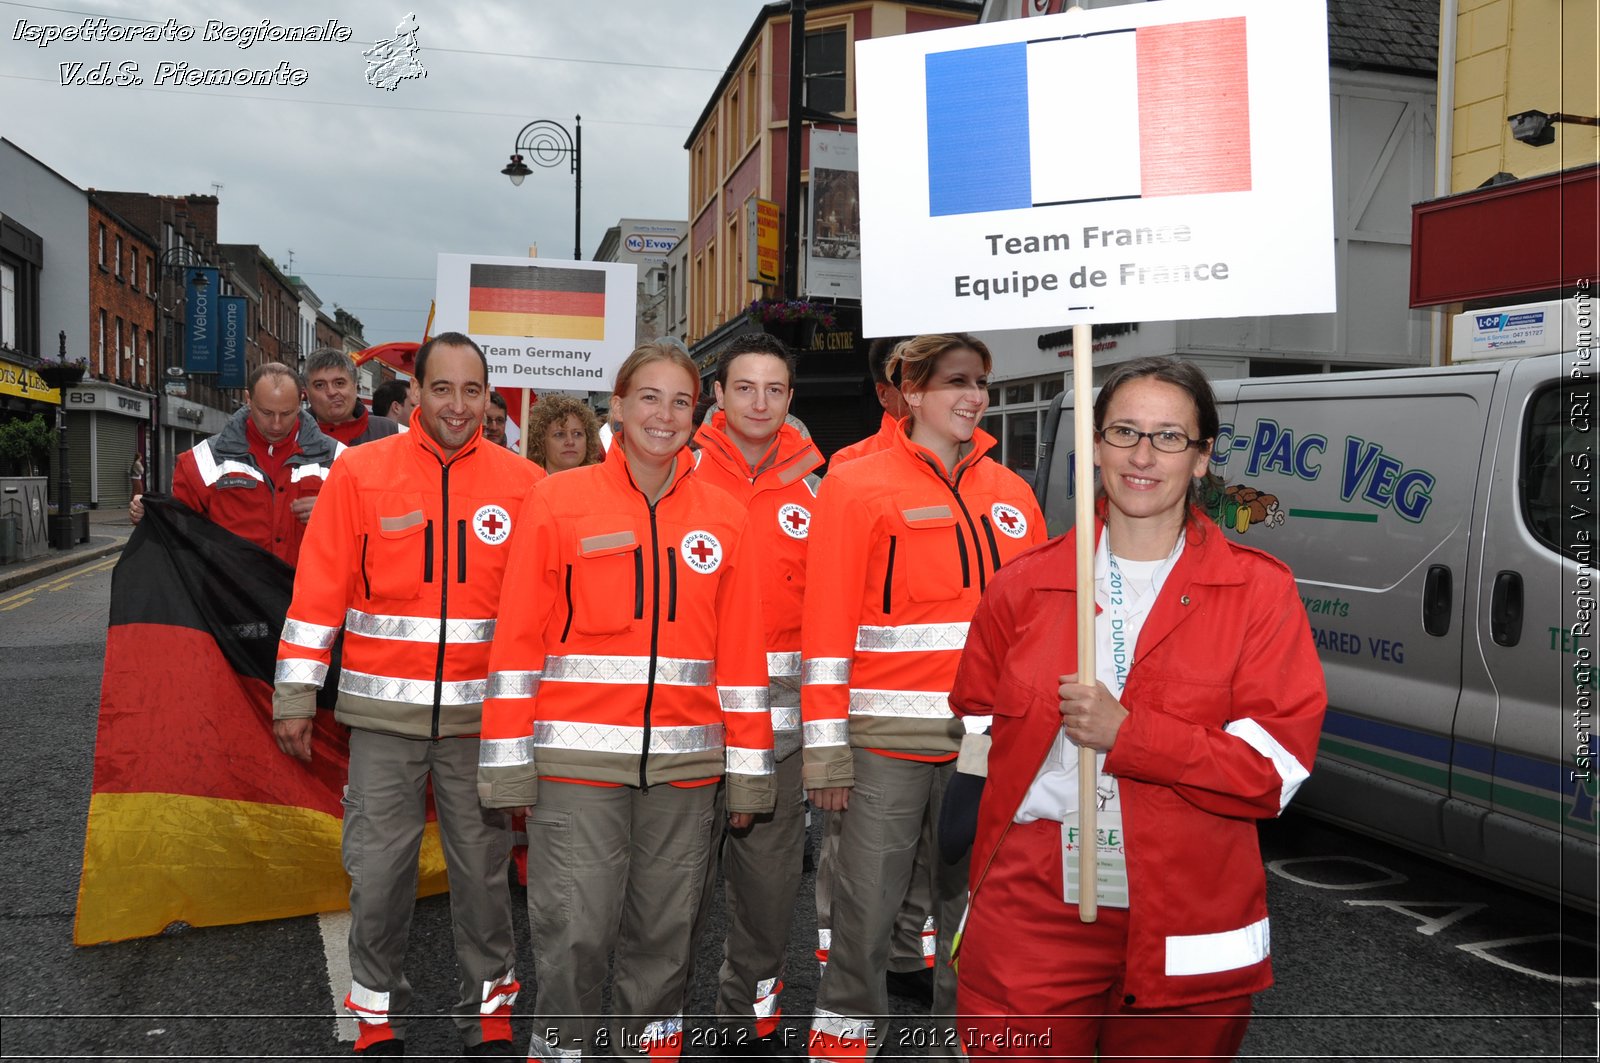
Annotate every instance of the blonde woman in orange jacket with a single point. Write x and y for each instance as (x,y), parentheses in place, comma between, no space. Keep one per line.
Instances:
(903,542)
(633,679)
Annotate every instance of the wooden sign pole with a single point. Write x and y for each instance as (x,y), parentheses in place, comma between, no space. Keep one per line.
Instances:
(1083,488)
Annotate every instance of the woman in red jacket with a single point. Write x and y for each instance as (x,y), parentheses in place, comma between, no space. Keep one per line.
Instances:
(1204,711)
(631,679)
(903,542)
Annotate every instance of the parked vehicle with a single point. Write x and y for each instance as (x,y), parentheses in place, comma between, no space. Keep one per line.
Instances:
(1441,525)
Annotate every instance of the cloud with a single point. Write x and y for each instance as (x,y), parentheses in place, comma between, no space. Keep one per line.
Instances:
(367,185)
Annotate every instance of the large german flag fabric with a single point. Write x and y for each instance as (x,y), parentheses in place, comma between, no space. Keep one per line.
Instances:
(196,817)
(546,302)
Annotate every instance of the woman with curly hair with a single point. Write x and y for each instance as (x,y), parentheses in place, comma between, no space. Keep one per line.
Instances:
(563,434)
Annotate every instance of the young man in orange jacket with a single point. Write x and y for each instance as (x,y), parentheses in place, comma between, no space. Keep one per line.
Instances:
(406,554)
(748,450)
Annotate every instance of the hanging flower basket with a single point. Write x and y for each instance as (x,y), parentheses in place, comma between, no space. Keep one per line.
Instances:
(61,375)
(794,321)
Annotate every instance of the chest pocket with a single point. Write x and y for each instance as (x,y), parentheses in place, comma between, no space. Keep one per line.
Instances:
(605,584)
(930,558)
(397,559)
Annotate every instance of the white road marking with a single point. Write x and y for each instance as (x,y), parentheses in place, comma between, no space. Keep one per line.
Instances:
(1482,949)
(1389,878)
(335,928)
(1430,926)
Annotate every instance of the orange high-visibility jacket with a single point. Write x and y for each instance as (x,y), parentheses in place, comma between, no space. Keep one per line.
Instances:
(900,555)
(883,439)
(405,550)
(780,497)
(633,653)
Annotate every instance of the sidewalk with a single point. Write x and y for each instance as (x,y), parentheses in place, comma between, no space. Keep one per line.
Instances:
(108,531)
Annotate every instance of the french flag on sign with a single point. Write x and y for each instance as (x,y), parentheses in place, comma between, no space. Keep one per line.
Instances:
(1157,111)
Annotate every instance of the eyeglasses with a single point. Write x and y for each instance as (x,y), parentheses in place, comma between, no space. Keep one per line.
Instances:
(1167,441)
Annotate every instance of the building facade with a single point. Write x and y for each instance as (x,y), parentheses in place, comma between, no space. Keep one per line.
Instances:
(738,151)
(1515,218)
(647,243)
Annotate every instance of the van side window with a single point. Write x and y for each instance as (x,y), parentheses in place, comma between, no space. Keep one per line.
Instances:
(1558,418)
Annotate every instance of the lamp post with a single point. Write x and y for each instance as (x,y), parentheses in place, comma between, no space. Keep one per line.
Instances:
(62,375)
(544,143)
(176,258)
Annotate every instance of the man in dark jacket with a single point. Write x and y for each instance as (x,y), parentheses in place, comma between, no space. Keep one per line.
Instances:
(331,392)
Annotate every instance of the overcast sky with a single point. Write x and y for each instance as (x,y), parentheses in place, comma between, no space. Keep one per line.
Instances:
(365,185)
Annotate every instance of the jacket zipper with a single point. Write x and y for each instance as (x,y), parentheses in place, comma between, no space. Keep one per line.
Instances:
(966,566)
(994,545)
(655,636)
(366,580)
(427,553)
(444,597)
(638,583)
(888,577)
(672,585)
(565,631)
(461,551)
(955,490)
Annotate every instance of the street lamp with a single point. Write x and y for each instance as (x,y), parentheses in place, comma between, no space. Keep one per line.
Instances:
(544,143)
(1535,128)
(176,258)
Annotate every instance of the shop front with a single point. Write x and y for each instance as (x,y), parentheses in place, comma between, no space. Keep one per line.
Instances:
(107,427)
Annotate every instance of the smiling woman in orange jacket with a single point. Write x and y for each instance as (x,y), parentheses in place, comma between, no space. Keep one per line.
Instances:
(631,680)
(1205,710)
(903,542)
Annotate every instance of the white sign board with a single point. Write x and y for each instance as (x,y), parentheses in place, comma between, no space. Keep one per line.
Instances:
(833,251)
(1132,163)
(1506,331)
(544,323)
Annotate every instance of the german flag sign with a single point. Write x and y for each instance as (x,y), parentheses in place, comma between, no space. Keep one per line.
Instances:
(550,302)
(196,817)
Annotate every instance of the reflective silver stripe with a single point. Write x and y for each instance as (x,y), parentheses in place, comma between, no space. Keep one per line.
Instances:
(499,994)
(505,752)
(742,699)
(1211,953)
(590,668)
(782,664)
(819,733)
(749,761)
(416,628)
(211,470)
(311,636)
(1290,771)
(825,670)
(300,670)
(302,471)
(766,1002)
(410,691)
(513,684)
(610,738)
(371,1005)
(920,704)
(786,717)
(660,1031)
(832,1024)
(909,638)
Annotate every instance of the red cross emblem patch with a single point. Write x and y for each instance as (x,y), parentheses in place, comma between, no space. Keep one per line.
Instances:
(795,520)
(701,551)
(492,525)
(1009,520)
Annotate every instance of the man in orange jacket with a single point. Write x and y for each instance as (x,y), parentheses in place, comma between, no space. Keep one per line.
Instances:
(889,397)
(748,450)
(407,554)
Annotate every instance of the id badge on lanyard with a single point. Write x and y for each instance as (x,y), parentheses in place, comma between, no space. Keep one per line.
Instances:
(1110,860)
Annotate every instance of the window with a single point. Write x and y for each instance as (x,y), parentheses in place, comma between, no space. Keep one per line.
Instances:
(8,306)
(100,346)
(1016,412)
(752,104)
(101,249)
(117,263)
(1022,441)
(825,61)
(150,274)
(1559,418)
(117,350)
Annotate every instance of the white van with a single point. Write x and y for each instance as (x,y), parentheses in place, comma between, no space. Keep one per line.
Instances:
(1441,526)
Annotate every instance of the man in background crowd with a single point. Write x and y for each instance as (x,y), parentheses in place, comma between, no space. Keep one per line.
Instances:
(331,392)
